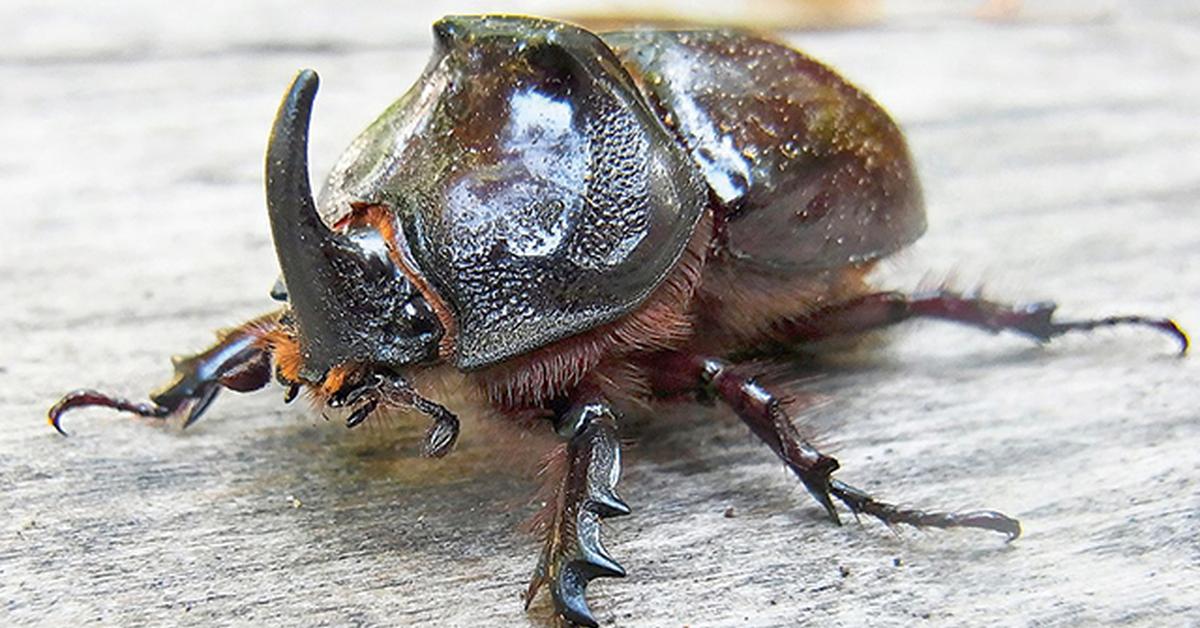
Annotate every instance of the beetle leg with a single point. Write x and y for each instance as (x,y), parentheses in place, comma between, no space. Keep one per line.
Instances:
(388,389)
(239,361)
(883,309)
(761,411)
(584,493)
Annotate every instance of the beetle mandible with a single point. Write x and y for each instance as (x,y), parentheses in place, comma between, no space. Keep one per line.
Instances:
(574,224)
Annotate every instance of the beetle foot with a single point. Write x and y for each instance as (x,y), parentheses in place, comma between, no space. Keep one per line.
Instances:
(84,397)
(237,361)
(391,390)
(1041,327)
(162,405)
(860,502)
(588,467)
(1034,320)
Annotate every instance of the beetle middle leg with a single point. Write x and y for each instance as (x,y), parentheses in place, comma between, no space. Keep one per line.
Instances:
(883,309)
(761,410)
(240,360)
(581,483)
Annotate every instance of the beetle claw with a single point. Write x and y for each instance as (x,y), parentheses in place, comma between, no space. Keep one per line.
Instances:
(388,390)
(817,484)
(442,435)
(440,438)
(236,361)
(362,412)
(204,398)
(1036,320)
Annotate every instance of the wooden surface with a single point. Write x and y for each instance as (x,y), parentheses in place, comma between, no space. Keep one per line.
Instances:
(1061,156)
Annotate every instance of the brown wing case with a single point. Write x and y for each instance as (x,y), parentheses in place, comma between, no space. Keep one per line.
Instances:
(809,172)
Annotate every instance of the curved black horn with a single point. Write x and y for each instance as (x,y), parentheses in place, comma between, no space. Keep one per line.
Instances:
(295,223)
(302,241)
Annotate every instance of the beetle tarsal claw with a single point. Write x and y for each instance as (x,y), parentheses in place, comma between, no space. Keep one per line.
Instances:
(823,487)
(362,412)
(440,437)
(443,433)
(573,554)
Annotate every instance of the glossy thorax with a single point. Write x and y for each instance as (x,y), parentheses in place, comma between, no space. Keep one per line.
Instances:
(533,187)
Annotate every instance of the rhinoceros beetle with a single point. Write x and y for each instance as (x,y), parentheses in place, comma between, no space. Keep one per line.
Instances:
(576,225)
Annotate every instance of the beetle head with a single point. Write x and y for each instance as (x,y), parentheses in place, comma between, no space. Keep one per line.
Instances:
(349,300)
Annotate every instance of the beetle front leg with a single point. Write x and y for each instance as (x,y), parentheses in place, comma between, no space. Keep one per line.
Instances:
(381,390)
(883,309)
(678,373)
(240,360)
(583,477)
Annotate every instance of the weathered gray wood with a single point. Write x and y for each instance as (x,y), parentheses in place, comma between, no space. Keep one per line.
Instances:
(1062,160)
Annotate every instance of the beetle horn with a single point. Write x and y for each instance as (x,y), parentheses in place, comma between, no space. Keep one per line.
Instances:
(302,241)
(295,224)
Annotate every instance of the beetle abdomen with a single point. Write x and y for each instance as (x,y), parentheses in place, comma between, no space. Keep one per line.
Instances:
(810,172)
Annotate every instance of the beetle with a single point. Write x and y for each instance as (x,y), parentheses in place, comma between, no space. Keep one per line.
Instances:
(575,226)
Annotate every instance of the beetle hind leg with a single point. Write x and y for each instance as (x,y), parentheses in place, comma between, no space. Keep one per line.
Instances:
(583,476)
(761,411)
(883,309)
(240,360)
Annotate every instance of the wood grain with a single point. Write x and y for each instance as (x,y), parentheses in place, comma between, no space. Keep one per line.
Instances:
(1061,155)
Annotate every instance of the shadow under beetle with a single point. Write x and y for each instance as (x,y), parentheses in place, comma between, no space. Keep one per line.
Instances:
(575,224)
